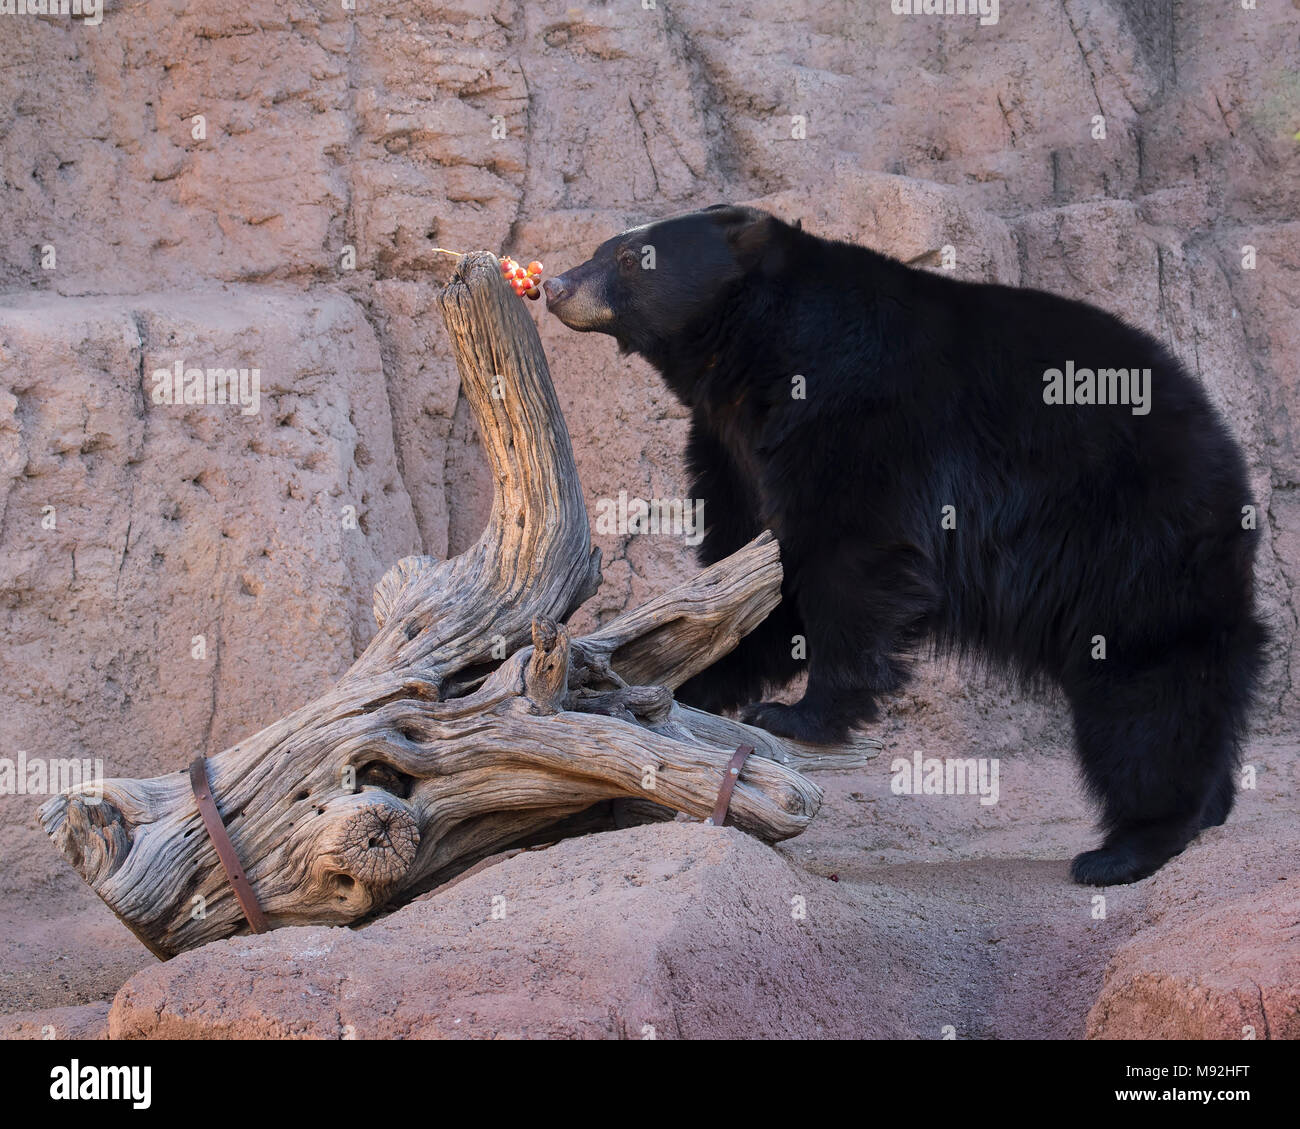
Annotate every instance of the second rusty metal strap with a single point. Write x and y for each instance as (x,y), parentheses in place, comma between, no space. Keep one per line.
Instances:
(729,777)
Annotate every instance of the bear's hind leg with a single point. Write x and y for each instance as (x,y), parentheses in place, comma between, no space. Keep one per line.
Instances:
(1132,851)
(1222,795)
(1157,750)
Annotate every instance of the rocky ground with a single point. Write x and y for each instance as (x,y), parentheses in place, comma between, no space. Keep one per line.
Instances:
(893,916)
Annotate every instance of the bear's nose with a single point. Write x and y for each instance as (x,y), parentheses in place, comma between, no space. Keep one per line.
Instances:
(555,289)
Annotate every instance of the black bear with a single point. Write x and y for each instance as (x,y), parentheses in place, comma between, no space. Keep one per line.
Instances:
(1003,474)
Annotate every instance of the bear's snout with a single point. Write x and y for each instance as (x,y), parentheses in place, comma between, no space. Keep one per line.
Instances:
(577,299)
(556,290)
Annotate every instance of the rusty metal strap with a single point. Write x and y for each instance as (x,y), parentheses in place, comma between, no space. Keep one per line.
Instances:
(225,848)
(729,777)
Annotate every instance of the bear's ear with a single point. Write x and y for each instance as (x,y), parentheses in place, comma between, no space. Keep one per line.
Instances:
(752,235)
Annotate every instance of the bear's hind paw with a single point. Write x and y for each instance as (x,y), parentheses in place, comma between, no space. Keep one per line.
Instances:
(1112,866)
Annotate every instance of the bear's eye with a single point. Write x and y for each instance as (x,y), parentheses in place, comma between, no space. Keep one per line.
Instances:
(626,259)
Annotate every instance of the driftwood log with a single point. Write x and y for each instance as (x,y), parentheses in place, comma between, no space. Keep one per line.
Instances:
(433,751)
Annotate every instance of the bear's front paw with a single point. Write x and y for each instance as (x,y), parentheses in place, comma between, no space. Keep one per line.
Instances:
(794,722)
(713,693)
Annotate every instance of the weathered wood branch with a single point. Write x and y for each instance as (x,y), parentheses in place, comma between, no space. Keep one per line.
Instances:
(534,555)
(429,754)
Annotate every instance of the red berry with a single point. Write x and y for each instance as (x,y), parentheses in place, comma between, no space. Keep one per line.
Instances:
(522,282)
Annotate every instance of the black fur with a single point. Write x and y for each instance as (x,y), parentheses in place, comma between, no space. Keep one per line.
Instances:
(924,392)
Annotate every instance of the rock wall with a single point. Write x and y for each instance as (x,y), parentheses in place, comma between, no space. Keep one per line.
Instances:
(262,184)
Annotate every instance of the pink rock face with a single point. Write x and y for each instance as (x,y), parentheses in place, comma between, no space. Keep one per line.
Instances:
(204,205)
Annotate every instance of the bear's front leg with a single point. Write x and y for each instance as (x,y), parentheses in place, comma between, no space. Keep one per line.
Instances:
(762,659)
(823,716)
(861,610)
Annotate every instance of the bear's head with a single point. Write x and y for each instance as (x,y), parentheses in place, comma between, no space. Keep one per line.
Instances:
(648,286)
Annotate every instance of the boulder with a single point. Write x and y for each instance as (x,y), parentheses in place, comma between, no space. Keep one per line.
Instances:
(662,931)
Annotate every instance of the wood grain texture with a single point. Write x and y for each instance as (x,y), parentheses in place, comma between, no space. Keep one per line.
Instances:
(430,753)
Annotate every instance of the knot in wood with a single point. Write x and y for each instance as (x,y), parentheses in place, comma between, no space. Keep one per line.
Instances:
(376,844)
